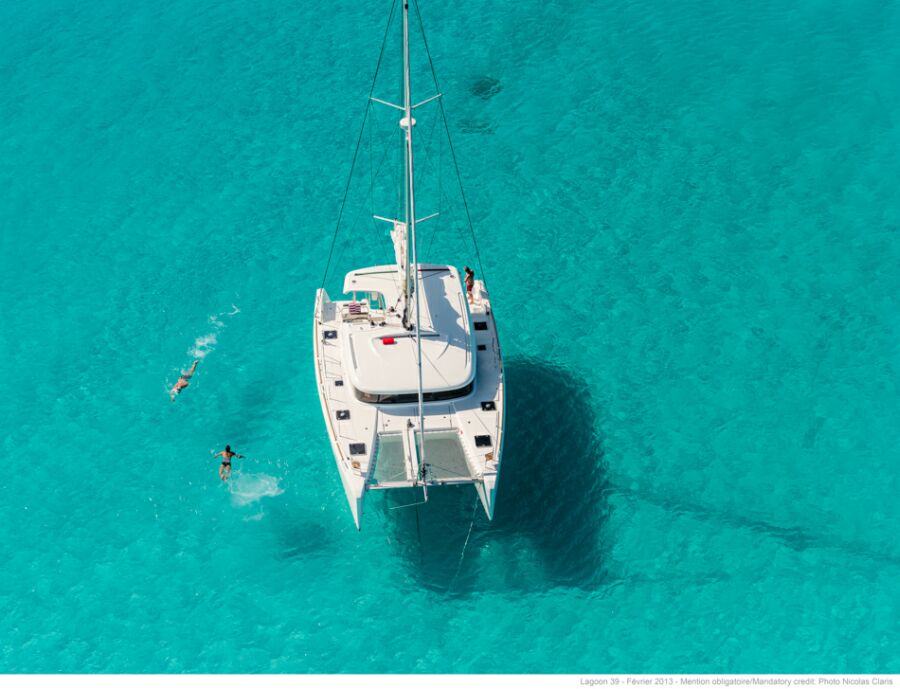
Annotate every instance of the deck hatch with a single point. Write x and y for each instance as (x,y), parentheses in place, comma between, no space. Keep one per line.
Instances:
(338,383)
(357,448)
(480,325)
(342,414)
(482,441)
(490,405)
(481,348)
(329,334)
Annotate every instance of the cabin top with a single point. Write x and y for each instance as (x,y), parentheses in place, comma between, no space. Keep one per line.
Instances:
(382,355)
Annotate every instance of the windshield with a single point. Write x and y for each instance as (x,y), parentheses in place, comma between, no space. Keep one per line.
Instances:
(413,397)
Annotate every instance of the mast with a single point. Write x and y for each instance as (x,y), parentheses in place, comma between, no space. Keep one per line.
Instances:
(412,280)
(407,123)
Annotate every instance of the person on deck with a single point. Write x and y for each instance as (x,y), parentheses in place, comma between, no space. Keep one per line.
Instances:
(225,466)
(470,282)
(183,380)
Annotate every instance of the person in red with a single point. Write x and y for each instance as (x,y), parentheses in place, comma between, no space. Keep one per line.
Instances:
(225,466)
(183,380)
(470,282)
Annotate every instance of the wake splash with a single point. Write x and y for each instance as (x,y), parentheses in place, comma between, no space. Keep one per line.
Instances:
(205,344)
(249,488)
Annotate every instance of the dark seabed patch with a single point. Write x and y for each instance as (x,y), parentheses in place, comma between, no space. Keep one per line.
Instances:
(476,126)
(486,87)
(297,533)
(548,527)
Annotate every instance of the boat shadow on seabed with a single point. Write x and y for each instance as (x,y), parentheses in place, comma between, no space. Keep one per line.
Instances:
(549,524)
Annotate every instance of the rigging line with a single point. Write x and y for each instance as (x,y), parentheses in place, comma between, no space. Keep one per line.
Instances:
(440,183)
(371,187)
(465,202)
(373,123)
(424,159)
(437,225)
(359,212)
(401,188)
(337,227)
(388,148)
(419,532)
(427,149)
(372,177)
(426,145)
(465,545)
(450,141)
(362,130)
(371,172)
(353,225)
(452,220)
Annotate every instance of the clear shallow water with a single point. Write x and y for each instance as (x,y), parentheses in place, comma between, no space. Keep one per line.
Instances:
(689,220)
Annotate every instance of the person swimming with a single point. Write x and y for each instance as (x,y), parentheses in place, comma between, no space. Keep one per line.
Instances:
(183,380)
(225,466)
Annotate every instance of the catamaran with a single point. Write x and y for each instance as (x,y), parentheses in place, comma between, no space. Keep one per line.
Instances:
(408,363)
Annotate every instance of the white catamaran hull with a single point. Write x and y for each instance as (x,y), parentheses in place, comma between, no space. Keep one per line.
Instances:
(463,435)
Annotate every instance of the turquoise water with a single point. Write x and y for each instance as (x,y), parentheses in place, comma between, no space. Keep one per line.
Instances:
(688,215)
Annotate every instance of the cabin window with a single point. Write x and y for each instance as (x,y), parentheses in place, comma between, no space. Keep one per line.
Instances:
(413,398)
(376,301)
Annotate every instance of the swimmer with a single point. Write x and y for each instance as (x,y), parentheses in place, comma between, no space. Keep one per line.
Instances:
(183,381)
(225,466)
